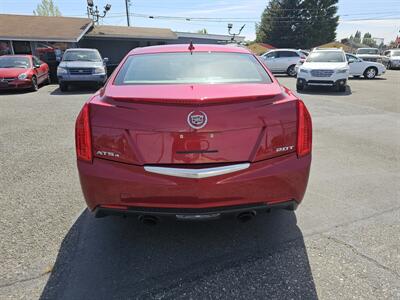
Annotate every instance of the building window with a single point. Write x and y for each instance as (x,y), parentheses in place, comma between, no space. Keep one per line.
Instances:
(22,47)
(5,48)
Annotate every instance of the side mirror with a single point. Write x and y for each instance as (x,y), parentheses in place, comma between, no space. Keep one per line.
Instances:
(351,61)
(301,61)
(36,66)
(105,60)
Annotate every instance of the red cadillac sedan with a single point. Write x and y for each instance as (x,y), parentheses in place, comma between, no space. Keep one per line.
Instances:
(193,133)
(22,72)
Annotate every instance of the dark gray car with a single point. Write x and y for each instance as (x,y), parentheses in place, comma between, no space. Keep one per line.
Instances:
(81,66)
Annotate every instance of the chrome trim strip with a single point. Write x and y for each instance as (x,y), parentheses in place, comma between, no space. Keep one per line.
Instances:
(197,173)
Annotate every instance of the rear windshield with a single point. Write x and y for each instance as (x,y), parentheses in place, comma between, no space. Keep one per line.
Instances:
(326,56)
(196,68)
(14,62)
(367,51)
(81,55)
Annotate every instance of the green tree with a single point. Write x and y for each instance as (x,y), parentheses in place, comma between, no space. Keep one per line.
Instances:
(202,31)
(298,24)
(368,40)
(357,37)
(281,24)
(320,21)
(47,8)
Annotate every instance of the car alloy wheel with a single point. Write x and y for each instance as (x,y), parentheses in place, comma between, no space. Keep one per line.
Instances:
(370,73)
(291,71)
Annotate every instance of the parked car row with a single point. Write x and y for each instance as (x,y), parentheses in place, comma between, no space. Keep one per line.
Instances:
(390,58)
(329,67)
(78,66)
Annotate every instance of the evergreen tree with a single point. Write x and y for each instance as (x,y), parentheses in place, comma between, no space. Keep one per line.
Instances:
(320,21)
(357,37)
(280,24)
(368,40)
(47,8)
(298,23)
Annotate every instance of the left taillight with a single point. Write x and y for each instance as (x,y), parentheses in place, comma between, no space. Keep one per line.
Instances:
(83,136)
(304,130)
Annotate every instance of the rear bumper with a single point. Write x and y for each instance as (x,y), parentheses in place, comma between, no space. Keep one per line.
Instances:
(108,183)
(193,214)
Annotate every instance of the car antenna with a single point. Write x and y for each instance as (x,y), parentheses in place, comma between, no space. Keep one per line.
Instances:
(191,47)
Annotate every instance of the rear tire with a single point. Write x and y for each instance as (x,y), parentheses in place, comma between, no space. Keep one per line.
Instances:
(35,85)
(291,71)
(63,87)
(370,73)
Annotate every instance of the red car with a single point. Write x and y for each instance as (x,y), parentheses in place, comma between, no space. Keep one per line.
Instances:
(194,133)
(22,72)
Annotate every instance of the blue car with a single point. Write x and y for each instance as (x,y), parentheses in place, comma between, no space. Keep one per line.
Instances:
(81,66)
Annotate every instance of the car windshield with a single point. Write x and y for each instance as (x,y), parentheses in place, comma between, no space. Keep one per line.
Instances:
(14,62)
(79,55)
(367,51)
(196,68)
(396,53)
(326,56)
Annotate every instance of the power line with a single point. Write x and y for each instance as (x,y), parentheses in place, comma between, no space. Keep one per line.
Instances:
(385,16)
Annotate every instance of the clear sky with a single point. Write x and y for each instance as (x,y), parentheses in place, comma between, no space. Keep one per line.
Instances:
(380,17)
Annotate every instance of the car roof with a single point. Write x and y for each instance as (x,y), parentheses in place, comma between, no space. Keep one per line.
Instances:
(328,49)
(17,55)
(285,49)
(185,48)
(81,49)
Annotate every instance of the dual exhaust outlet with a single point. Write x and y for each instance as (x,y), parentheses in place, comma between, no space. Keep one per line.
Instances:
(242,217)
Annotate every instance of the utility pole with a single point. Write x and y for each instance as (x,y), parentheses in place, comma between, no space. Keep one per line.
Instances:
(127,4)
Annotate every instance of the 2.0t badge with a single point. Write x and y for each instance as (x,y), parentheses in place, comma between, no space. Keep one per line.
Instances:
(197,119)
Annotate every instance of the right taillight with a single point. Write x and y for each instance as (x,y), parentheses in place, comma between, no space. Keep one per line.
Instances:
(83,136)
(304,130)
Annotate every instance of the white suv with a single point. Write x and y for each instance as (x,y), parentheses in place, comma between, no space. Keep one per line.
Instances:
(283,60)
(324,67)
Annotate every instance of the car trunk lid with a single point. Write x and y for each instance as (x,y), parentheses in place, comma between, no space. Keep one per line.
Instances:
(192,124)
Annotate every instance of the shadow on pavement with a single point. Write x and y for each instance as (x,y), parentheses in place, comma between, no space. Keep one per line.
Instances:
(14,92)
(363,78)
(116,258)
(283,75)
(75,90)
(316,90)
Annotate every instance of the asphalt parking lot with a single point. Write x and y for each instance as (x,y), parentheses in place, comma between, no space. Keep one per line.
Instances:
(343,242)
